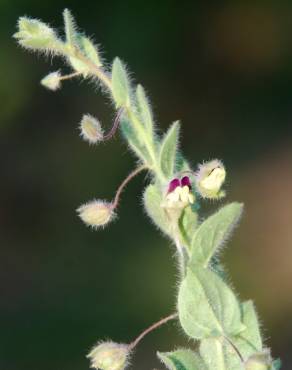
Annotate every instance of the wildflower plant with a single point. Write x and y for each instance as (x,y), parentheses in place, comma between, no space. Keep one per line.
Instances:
(224,332)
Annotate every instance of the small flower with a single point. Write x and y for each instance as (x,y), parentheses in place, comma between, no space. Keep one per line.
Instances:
(109,356)
(52,81)
(179,193)
(90,129)
(96,213)
(209,179)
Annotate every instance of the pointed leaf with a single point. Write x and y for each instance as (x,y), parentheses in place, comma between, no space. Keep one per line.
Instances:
(120,84)
(152,201)
(70,27)
(249,341)
(213,232)
(144,109)
(182,359)
(168,150)
(89,50)
(137,144)
(207,306)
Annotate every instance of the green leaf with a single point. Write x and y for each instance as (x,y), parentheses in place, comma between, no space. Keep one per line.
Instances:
(70,27)
(218,354)
(168,150)
(120,84)
(182,359)
(89,50)
(136,143)
(188,224)
(207,306)
(249,341)
(144,109)
(213,232)
(152,200)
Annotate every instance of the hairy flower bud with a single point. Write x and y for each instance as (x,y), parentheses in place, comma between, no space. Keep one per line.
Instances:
(90,129)
(209,179)
(109,356)
(96,213)
(259,361)
(52,81)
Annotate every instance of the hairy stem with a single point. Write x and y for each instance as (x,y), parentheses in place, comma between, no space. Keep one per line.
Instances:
(125,183)
(151,328)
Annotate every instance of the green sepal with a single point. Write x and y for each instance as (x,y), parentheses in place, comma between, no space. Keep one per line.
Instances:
(207,307)
(152,200)
(168,150)
(213,232)
(182,359)
(120,84)
(34,34)
(144,109)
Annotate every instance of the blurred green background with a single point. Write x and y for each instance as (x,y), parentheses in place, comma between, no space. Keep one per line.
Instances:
(223,68)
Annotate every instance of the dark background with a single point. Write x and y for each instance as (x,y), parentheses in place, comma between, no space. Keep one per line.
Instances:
(223,68)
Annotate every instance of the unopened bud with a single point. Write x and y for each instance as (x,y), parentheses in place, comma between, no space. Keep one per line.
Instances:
(209,179)
(96,213)
(91,130)
(109,356)
(259,361)
(52,81)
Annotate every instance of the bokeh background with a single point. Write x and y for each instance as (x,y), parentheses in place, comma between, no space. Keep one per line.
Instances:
(223,68)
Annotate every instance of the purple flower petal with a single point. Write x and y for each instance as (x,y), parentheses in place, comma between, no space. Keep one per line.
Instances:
(173,185)
(185,181)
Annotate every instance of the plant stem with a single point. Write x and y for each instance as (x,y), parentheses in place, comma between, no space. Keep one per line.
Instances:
(104,78)
(71,75)
(151,328)
(125,183)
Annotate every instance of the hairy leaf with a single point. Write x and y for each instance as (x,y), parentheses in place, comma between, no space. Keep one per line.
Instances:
(70,27)
(168,150)
(249,341)
(218,354)
(152,201)
(213,232)
(120,84)
(182,359)
(144,109)
(207,306)
(133,138)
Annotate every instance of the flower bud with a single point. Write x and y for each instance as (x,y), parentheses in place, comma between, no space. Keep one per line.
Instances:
(91,130)
(96,213)
(259,361)
(52,81)
(209,179)
(109,356)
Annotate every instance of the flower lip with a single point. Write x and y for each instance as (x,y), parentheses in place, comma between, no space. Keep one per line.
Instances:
(175,183)
(185,181)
